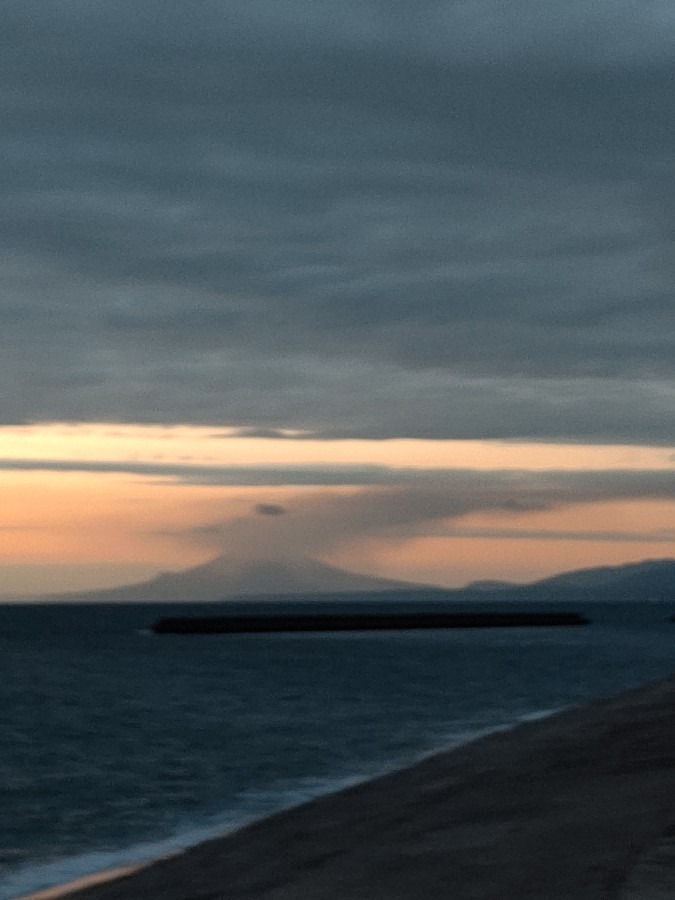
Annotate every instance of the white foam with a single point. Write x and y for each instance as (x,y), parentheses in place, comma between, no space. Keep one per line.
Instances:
(254,804)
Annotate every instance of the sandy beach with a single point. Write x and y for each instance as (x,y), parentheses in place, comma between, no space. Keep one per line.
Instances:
(579,805)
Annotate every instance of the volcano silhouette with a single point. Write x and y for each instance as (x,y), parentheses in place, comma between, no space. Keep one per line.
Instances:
(226,576)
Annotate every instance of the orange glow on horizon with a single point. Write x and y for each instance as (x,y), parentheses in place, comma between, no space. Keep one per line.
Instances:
(119,527)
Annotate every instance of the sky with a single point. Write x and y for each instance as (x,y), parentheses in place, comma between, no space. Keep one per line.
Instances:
(386,283)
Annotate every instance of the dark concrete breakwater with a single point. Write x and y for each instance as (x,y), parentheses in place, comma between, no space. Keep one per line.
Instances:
(242,624)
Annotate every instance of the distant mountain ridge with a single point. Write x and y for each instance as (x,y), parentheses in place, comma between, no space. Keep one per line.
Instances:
(489,585)
(603,575)
(652,579)
(225,578)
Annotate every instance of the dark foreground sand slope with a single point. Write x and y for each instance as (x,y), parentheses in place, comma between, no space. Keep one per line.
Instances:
(581,805)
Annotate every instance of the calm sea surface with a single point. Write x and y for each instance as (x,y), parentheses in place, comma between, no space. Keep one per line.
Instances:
(117,745)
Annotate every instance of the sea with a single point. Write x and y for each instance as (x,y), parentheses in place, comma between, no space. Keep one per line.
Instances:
(118,745)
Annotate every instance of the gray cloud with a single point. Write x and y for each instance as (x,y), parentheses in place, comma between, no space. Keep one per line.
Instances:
(187,473)
(646,537)
(383,219)
(269,509)
(449,491)
(435,502)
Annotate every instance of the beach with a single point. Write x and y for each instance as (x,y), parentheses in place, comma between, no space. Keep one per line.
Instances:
(578,805)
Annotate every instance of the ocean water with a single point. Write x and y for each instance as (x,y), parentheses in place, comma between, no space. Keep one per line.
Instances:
(117,745)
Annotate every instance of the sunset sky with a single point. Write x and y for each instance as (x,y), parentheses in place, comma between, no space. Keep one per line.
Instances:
(388,284)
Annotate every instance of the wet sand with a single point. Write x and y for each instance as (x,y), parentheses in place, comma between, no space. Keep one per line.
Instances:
(66,890)
(580,805)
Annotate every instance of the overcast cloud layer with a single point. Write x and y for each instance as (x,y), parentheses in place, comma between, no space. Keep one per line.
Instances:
(383,218)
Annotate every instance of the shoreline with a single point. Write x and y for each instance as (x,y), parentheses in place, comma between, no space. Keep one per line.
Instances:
(178,845)
(573,805)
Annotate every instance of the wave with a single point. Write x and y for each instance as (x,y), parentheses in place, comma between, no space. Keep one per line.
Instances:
(252,805)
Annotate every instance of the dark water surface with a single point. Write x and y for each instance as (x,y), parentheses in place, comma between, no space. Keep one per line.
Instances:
(118,745)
